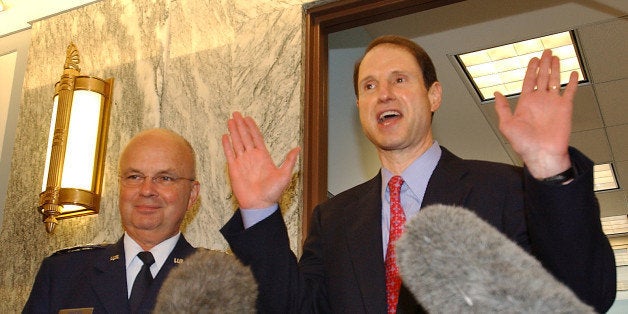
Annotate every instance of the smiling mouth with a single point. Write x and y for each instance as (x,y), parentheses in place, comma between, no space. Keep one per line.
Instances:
(387,115)
(145,208)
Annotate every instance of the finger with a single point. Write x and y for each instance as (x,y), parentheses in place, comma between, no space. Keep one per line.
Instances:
(502,107)
(291,160)
(243,129)
(529,80)
(554,77)
(227,149)
(543,77)
(236,139)
(572,86)
(256,134)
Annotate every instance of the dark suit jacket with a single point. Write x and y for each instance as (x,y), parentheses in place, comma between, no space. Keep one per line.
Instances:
(94,277)
(342,270)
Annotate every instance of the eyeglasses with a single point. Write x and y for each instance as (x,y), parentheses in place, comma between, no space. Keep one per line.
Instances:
(135,180)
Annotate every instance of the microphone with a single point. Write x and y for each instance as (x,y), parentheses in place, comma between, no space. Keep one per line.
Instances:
(208,282)
(454,262)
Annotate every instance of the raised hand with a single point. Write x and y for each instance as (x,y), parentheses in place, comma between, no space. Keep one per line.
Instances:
(256,181)
(540,125)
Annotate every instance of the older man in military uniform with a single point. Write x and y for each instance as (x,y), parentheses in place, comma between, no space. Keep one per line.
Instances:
(157,186)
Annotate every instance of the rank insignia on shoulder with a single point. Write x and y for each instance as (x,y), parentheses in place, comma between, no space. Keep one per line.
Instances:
(80,248)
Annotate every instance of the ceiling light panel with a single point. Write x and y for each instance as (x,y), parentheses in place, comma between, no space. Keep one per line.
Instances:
(501,69)
(615,225)
(604,178)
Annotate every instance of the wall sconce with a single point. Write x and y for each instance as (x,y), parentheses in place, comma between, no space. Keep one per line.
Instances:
(77,143)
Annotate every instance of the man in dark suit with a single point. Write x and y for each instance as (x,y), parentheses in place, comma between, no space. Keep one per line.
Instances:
(548,207)
(157,186)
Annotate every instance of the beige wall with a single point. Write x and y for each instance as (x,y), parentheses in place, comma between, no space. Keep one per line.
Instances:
(184,65)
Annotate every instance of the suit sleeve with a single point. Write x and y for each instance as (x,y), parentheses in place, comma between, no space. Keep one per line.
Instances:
(285,285)
(566,234)
(266,249)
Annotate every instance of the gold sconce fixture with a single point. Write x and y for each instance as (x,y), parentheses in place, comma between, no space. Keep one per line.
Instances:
(77,142)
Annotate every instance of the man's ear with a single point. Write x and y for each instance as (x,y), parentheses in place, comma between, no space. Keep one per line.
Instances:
(435,94)
(196,187)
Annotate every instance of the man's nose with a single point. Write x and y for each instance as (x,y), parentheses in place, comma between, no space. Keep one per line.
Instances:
(148,186)
(385,92)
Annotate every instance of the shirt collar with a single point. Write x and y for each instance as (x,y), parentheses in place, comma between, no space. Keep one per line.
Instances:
(417,174)
(160,251)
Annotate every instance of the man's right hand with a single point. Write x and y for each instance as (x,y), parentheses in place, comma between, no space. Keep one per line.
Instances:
(256,181)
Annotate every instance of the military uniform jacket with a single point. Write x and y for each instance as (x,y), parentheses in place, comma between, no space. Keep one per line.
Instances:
(94,277)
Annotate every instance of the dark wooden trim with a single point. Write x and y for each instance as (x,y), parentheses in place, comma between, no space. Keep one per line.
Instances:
(320,21)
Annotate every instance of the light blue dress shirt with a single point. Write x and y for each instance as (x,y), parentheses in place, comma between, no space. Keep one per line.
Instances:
(415,178)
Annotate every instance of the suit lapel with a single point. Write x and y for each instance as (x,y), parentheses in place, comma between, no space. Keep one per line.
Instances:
(364,239)
(445,186)
(109,279)
(364,229)
(181,251)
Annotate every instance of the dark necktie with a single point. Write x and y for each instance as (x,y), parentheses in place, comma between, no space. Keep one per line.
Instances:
(397,220)
(142,281)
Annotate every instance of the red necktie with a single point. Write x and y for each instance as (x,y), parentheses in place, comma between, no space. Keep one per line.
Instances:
(397,220)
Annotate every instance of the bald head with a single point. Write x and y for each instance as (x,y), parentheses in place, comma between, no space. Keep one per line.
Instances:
(164,138)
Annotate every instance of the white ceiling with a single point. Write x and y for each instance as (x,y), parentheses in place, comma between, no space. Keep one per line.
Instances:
(468,128)
(19,13)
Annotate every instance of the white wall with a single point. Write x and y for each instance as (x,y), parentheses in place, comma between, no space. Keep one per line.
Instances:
(13,57)
(352,159)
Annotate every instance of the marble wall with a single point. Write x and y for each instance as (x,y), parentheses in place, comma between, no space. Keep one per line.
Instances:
(185,65)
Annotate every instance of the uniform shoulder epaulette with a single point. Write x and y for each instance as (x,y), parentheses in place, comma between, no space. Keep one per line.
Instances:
(80,248)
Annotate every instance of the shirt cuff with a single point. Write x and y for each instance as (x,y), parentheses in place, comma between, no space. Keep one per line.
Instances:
(252,216)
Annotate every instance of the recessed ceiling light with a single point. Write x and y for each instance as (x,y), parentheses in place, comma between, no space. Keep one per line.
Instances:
(502,68)
(604,178)
(615,225)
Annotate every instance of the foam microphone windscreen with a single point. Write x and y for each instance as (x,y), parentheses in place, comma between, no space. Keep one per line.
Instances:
(208,282)
(454,262)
